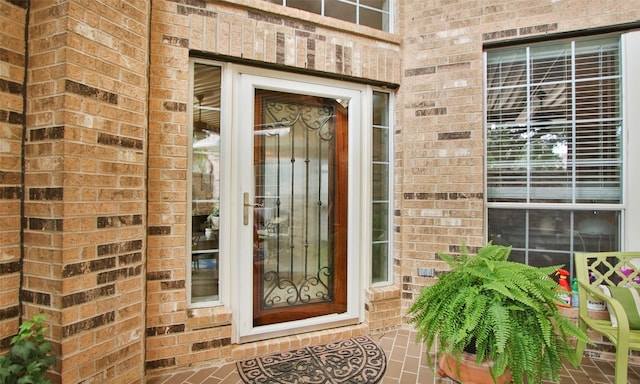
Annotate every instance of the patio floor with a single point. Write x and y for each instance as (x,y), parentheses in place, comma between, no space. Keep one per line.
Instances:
(406,363)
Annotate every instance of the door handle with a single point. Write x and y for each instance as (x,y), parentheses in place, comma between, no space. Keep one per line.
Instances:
(246,205)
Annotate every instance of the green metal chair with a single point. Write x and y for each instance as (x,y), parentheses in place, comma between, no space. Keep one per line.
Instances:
(606,268)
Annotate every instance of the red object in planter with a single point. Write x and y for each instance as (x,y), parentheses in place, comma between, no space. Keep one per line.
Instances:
(564,289)
(468,372)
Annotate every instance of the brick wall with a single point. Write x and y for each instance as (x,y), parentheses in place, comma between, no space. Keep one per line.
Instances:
(440,136)
(12,60)
(251,30)
(105,185)
(85,186)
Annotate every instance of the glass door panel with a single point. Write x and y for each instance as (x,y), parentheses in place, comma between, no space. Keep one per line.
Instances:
(300,209)
(205,185)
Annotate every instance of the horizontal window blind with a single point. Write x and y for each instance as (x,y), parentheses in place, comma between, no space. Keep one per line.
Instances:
(554,123)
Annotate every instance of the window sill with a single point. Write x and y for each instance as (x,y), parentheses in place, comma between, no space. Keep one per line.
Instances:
(210,317)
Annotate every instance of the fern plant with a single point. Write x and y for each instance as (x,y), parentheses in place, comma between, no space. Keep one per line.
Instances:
(30,355)
(500,310)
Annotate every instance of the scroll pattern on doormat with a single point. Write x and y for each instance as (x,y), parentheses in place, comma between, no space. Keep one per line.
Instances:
(352,361)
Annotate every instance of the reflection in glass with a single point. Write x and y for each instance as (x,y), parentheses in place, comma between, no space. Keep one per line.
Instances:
(311,6)
(554,123)
(545,259)
(507,227)
(549,237)
(372,13)
(549,230)
(380,260)
(380,240)
(380,187)
(554,130)
(205,184)
(380,181)
(517,256)
(340,10)
(294,148)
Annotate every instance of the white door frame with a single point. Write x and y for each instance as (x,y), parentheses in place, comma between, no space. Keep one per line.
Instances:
(245,81)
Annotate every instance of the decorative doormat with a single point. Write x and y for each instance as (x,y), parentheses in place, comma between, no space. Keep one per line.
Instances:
(357,360)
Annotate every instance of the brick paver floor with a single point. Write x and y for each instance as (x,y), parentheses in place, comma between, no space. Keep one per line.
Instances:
(406,364)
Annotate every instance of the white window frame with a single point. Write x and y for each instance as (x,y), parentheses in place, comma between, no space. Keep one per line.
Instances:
(391,210)
(629,207)
(631,120)
(389,27)
(223,251)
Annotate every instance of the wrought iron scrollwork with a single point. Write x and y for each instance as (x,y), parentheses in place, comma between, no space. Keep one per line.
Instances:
(283,290)
(277,283)
(300,130)
(316,286)
(315,117)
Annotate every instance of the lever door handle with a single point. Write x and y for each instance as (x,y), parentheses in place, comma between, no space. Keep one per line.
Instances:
(245,209)
(247,204)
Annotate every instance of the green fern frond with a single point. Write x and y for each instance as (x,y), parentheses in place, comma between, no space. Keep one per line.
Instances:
(507,309)
(498,315)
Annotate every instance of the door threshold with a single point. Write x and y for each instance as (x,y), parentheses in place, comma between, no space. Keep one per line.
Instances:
(322,323)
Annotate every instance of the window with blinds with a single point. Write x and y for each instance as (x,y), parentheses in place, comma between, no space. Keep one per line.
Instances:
(553,118)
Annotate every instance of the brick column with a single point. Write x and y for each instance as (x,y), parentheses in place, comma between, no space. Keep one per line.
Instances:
(382,309)
(12,60)
(85,213)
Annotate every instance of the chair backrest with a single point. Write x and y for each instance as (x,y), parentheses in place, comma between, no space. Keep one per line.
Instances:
(608,268)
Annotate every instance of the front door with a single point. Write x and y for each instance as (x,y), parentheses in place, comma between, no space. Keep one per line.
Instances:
(295,207)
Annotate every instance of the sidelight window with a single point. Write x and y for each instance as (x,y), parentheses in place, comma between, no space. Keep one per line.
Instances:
(381,189)
(204,179)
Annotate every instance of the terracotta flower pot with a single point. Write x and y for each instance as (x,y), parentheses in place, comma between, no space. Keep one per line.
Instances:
(468,372)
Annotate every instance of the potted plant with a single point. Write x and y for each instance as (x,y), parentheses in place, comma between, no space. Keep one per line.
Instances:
(506,313)
(213,219)
(212,224)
